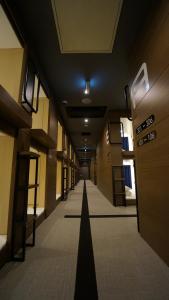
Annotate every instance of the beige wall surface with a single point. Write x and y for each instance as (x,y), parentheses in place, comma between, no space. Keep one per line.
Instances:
(59,137)
(40,119)
(10,71)
(59,177)
(152,159)
(6,159)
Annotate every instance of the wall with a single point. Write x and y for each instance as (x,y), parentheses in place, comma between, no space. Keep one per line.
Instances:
(152,159)
(10,71)
(84,172)
(40,119)
(92,170)
(107,156)
(59,178)
(6,159)
(59,138)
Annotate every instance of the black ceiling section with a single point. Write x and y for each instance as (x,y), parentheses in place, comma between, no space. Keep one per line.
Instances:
(62,73)
(86,112)
(85,133)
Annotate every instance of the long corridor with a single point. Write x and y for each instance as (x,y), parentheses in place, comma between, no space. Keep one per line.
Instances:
(122,265)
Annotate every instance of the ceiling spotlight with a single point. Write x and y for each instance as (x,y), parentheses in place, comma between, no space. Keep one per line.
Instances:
(86,120)
(87,88)
(64,102)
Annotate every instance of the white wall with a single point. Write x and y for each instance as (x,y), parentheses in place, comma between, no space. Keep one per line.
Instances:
(130,193)
(128,131)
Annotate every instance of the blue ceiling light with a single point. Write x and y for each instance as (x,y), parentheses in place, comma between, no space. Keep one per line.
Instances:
(79,82)
(87,88)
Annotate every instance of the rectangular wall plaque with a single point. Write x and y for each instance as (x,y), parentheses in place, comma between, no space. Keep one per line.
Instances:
(147,138)
(148,122)
(140,85)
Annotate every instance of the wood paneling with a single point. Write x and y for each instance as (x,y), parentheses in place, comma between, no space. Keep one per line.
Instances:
(107,155)
(40,137)
(152,159)
(51,162)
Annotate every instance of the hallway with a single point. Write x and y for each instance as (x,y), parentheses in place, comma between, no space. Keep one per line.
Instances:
(126,267)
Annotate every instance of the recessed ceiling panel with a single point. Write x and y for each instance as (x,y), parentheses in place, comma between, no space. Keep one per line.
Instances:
(86,26)
(8,37)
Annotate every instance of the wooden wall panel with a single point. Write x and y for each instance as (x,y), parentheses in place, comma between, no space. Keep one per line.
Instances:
(152,159)
(107,156)
(51,162)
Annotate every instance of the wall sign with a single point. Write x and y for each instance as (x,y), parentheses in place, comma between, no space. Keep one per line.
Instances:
(140,85)
(147,138)
(148,122)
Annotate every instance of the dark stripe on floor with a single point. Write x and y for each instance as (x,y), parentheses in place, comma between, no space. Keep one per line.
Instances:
(86,286)
(104,216)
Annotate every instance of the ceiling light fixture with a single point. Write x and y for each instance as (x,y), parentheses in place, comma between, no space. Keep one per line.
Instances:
(87,88)
(86,100)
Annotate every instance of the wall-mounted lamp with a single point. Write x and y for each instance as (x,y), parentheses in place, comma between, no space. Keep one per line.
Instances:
(87,88)
(86,120)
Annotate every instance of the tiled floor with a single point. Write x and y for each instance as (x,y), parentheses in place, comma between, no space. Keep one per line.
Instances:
(126,267)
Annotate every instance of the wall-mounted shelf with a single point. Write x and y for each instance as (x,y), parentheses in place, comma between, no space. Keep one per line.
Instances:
(128,154)
(13,113)
(42,138)
(30,186)
(28,154)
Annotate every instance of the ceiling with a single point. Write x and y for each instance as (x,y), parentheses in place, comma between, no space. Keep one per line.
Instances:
(64,74)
